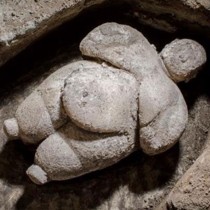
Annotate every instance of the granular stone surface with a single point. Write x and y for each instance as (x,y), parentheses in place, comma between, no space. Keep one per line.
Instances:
(137,182)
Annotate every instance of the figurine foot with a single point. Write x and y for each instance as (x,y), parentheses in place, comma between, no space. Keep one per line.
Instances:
(37,175)
(11,128)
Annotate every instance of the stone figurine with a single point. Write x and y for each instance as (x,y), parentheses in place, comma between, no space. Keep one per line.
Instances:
(92,113)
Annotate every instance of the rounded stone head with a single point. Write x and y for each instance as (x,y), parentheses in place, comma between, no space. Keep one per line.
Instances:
(183,59)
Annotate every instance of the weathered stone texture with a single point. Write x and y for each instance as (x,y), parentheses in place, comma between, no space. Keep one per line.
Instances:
(193,190)
(23,21)
(162,110)
(174,15)
(138,182)
(183,59)
(104,100)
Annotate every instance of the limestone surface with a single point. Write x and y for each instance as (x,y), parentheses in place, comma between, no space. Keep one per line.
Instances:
(111,108)
(72,152)
(101,99)
(192,191)
(162,110)
(22,22)
(95,96)
(189,15)
(137,182)
(41,113)
(92,113)
(183,59)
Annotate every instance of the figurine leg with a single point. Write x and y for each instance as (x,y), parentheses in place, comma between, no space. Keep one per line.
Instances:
(54,160)
(72,152)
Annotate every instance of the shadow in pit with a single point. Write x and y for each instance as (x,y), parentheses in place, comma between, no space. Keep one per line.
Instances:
(139,172)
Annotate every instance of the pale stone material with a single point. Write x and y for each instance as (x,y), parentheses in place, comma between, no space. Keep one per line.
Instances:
(43,111)
(12,129)
(85,115)
(172,16)
(162,110)
(101,99)
(37,175)
(183,59)
(192,191)
(72,152)
(23,22)
(110,97)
